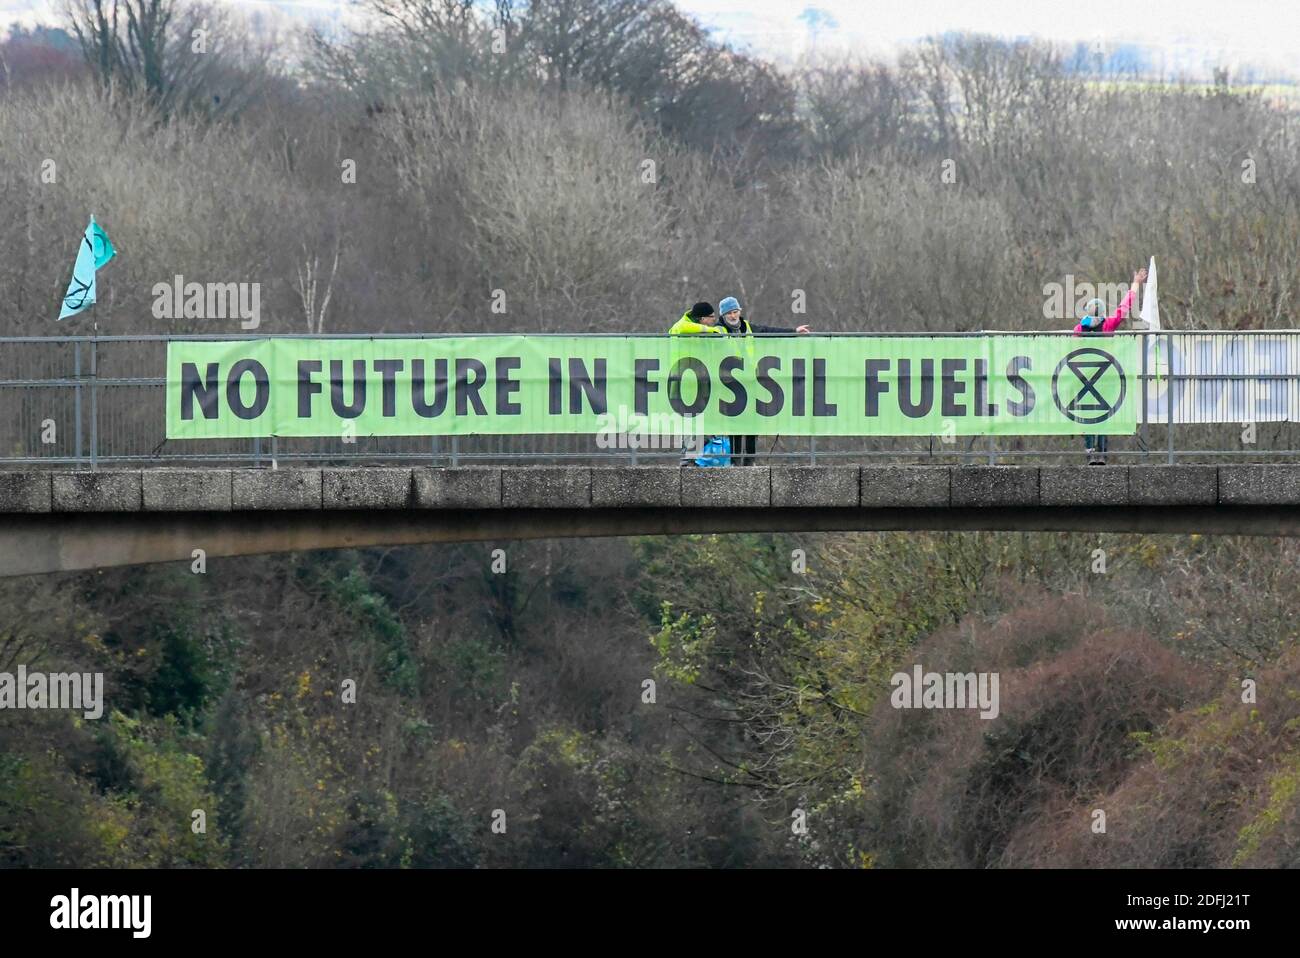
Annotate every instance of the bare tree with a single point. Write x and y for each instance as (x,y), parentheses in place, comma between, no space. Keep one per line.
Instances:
(309,276)
(169,53)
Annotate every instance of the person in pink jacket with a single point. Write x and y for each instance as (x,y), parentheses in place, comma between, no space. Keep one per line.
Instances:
(1095,322)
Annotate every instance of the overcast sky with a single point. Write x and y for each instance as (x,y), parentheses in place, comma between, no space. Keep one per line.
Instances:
(1263,31)
(1191,33)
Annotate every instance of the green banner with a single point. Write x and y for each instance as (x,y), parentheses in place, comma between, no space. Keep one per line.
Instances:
(689,385)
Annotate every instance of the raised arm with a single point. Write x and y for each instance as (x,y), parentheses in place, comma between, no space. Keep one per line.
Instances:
(1110,323)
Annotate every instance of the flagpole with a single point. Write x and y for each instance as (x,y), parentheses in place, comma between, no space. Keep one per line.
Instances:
(94,313)
(94,377)
(82,295)
(94,391)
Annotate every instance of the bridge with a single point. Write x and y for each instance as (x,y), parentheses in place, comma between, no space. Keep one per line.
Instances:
(100,467)
(54,520)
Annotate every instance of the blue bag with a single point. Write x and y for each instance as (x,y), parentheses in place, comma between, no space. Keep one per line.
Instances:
(717,452)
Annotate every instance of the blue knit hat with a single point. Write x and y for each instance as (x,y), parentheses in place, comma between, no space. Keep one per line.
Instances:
(1093,314)
(728,304)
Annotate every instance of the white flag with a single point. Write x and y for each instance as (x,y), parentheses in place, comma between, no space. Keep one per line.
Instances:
(1150,305)
(1157,361)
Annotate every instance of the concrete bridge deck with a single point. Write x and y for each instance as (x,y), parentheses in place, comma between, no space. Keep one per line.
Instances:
(53,521)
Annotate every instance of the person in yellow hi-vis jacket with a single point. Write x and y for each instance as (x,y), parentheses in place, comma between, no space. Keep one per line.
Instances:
(699,319)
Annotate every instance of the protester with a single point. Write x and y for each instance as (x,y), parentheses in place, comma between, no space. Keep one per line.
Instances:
(743,447)
(1094,322)
(738,325)
(699,319)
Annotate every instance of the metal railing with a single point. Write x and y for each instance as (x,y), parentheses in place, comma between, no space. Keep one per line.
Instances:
(86,402)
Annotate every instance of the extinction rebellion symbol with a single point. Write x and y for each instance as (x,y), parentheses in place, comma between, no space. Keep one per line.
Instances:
(1095,390)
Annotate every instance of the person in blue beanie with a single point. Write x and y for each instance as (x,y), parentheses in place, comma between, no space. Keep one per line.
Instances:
(734,322)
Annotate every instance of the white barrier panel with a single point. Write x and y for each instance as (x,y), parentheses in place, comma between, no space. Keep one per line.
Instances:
(1223,378)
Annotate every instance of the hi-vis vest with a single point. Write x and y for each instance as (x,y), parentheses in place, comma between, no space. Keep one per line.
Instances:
(746,333)
(684,327)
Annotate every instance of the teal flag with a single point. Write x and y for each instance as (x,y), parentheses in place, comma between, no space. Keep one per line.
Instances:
(95,251)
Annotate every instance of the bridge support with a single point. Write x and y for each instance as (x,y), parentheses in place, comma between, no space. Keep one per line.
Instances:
(61,542)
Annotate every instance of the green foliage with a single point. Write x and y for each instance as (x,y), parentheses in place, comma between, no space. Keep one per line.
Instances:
(471,666)
(50,815)
(772,695)
(440,835)
(184,677)
(168,783)
(365,613)
(683,643)
(50,818)
(1283,788)
(574,802)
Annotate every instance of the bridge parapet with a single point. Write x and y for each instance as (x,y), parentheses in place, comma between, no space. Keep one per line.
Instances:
(63,521)
(581,487)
